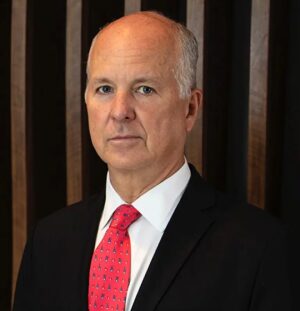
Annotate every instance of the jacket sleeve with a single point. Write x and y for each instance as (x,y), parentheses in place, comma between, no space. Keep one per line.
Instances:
(271,291)
(23,299)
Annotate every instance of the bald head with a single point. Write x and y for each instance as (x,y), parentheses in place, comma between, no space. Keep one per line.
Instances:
(139,20)
(152,31)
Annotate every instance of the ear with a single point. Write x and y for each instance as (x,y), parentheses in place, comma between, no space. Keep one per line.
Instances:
(193,108)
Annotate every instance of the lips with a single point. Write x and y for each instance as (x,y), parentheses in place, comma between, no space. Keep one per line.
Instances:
(125,137)
(124,140)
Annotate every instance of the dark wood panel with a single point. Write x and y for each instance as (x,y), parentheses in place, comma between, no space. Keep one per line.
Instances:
(290,183)
(277,102)
(5,163)
(73,101)
(132,6)
(18,133)
(176,10)
(195,22)
(46,95)
(216,84)
(258,102)
(237,138)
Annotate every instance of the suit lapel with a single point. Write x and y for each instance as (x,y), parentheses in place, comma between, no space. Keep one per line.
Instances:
(86,229)
(187,226)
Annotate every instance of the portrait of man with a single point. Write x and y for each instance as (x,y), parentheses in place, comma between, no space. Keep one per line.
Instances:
(158,237)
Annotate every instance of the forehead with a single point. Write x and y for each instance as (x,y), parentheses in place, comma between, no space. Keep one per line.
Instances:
(133,42)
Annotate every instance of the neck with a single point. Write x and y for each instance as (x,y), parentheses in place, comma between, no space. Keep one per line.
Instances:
(130,185)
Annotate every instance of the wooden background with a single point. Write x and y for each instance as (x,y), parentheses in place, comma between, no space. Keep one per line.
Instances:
(246,141)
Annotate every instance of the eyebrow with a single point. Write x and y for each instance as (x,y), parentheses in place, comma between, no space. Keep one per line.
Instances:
(146,79)
(142,79)
(100,80)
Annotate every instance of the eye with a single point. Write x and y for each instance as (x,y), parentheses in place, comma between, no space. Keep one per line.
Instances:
(145,90)
(104,89)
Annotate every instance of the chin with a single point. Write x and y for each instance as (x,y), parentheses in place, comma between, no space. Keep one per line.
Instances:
(126,164)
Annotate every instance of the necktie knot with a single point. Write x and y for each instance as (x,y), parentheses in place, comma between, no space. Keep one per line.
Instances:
(124,216)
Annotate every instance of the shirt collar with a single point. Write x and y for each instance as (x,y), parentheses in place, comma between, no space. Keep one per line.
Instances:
(156,205)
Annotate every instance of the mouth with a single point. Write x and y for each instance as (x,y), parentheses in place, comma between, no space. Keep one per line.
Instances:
(124,139)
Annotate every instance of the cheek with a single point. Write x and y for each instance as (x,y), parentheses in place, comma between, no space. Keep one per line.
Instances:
(95,122)
(166,131)
(95,117)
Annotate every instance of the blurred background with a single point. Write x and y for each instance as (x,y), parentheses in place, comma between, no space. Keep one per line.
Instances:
(246,141)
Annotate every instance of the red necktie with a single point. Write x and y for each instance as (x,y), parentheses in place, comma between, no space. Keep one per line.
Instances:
(110,266)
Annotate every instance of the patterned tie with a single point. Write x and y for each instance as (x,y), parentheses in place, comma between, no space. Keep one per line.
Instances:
(110,266)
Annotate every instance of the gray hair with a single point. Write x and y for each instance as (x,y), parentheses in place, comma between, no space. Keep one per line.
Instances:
(185,70)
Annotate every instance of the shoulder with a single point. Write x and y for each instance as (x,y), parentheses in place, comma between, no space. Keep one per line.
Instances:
(71,216)
(232,215)
(245,220)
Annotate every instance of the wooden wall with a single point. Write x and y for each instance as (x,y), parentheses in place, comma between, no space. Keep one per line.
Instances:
(246,140)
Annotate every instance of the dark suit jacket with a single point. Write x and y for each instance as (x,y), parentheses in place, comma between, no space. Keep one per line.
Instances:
(216,254)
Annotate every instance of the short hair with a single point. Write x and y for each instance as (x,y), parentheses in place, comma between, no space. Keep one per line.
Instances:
(186,67)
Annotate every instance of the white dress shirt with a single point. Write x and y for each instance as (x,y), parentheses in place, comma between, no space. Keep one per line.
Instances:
(156,207)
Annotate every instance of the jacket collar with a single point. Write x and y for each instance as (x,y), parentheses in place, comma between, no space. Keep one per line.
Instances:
(191,219)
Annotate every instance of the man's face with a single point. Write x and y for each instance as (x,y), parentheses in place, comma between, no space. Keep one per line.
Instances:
(137,120)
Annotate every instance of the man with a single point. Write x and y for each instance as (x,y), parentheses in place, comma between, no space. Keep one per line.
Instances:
(183,246)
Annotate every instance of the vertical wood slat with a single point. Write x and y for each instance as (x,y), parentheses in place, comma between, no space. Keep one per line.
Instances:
(18,132)
(132,6)
(73,101)
(5,158)
(258,102)
(195,22)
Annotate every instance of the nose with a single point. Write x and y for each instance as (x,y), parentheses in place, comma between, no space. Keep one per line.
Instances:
(122,107)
